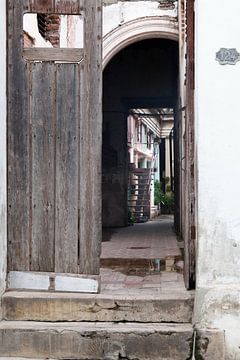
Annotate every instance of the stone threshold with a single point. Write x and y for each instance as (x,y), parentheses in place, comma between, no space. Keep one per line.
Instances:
(173,307)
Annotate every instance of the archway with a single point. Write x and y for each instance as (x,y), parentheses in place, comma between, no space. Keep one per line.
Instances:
(137,30)
(168,28)
(141,76)
(144,74)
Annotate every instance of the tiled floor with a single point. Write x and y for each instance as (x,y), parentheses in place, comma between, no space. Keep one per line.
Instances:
(152,240)
(115,282)
(134,257)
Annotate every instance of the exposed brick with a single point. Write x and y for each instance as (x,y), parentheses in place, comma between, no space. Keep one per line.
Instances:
(49,28)
(28,40)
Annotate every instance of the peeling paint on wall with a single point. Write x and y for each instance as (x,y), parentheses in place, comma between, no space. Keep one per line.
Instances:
(120,12)
(217,130)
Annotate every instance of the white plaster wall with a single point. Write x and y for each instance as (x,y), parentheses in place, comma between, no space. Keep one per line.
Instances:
(31,27)
(218,153)
(3,227)
(218,130)
(117,14)
(71,31)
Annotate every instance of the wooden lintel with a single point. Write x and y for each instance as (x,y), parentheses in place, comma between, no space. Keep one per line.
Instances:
(53,54)
(43,281)
(73,7)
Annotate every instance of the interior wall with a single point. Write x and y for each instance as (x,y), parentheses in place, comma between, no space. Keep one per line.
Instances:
(3,187)
(144,72)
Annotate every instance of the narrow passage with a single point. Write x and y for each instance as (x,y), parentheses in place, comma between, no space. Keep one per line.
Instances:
(142,258)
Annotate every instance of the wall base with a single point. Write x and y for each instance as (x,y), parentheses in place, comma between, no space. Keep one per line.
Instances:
(219,308)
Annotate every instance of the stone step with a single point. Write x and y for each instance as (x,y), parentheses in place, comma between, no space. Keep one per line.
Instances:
(175,307)
(95,341)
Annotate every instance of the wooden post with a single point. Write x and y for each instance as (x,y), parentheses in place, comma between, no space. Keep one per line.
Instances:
(190,233)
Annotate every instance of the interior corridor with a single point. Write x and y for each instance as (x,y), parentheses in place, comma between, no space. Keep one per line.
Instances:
(141,171)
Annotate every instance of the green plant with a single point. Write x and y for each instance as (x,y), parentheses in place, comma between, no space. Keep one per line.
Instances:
(168,204)
(131,218)
(168,188)
(166,200)
(169,199)
(158,193)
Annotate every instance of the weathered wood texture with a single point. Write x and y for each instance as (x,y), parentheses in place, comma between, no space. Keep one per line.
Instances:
(71,7)
(41,143)
(67,168)
(53,54)
(54,148)
(19,216)
(190,221)
(90,144)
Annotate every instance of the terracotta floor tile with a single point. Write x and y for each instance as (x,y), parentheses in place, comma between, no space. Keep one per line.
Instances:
(155,245)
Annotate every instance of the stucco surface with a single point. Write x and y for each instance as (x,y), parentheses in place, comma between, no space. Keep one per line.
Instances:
(121,12)
(217,100)
(217,134)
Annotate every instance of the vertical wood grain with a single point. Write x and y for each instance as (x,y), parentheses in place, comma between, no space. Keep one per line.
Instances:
(18,145)
(54,149)
(91,141)
(67,167)
(42,103)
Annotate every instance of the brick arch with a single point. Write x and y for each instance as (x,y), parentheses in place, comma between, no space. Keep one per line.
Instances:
(137,30)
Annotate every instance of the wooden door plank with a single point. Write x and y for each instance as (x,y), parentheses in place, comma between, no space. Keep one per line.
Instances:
(53,54)
(18,150)
(69,6)
(73,7)
(67,168)
(91,142)
(42,118)
(39,6)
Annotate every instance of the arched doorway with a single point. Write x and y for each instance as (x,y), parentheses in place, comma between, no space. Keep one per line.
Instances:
(138,30)
(142,78)
(167,28)
(145,75)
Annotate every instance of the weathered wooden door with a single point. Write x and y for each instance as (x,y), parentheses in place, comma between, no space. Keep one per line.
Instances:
(54,146)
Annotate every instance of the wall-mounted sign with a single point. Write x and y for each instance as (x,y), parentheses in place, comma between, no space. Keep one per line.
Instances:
(227,56)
